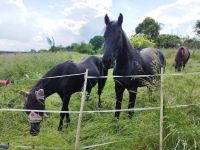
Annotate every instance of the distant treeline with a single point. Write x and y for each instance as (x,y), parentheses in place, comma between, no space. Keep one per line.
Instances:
(139,41)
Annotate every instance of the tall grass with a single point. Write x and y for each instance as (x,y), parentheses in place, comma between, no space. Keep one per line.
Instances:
(181,125)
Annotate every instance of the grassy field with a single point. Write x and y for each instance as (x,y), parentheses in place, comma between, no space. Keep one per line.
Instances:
(181,125)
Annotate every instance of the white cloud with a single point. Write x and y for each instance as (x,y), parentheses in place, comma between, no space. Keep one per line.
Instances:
(25,29)
(175,14)
(190,31)
(21,6)
(99,7)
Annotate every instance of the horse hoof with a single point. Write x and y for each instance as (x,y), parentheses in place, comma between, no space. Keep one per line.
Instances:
(116,117)
(67,125)
(130,117)
(99,107)
(59,128)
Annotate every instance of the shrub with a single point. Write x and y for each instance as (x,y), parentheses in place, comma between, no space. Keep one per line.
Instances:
(141,41)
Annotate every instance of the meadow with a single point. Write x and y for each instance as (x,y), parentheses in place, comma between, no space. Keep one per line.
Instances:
(181,125)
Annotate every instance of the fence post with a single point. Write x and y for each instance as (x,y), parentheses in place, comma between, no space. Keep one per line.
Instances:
(161,109)
(81,111)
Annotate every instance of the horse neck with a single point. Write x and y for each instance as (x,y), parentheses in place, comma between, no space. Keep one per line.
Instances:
(125,52)
(45,85)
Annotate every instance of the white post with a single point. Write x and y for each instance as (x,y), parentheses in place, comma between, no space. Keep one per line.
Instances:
(81,111)
(161,109)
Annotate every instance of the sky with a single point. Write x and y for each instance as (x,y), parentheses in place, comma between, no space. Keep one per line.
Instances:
(25,24)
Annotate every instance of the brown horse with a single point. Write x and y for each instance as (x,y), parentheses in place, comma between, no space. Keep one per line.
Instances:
(181,58)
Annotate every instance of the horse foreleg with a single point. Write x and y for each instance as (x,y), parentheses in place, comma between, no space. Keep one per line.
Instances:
(62,115)
(88,94)
(101,84)
(132,97)
(119,90)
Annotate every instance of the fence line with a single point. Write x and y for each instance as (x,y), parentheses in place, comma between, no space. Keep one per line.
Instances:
(107,143)
(98,111)
(139,109)
(110,76)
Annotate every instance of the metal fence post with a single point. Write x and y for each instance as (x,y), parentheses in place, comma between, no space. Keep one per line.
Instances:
(81,111)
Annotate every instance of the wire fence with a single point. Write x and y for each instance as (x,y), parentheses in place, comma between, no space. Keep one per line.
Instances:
(81,111)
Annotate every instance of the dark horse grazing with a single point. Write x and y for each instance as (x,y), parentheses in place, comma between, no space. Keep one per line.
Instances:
(181,58)
(64,86)
(128,61)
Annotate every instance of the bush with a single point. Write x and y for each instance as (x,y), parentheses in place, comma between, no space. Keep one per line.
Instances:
(191,43)
(81,48)
(141,41)
(168,41)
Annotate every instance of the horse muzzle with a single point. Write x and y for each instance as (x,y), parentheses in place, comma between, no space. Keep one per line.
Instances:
(35,128)
(35,119)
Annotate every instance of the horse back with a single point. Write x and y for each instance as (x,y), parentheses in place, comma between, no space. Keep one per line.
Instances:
(59,79)
(153,60)
(93,64)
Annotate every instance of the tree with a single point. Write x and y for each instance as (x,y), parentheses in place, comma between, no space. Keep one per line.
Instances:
(149,27)
(96,42)
(197,27)
(168,41)
(51,44)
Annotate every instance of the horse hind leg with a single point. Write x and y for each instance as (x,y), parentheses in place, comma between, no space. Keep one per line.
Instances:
(150,93)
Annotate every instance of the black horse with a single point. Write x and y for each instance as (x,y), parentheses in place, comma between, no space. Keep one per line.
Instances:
(64,86)
(128,61)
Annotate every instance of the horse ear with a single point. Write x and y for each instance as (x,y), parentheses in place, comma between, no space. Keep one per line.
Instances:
(106,19)
(23,93)
(120,19)
(39,94)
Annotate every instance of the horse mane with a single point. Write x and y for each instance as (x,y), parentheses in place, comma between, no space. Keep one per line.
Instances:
(127,42)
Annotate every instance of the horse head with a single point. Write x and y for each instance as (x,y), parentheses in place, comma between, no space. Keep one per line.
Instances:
(113,40)
(34,101)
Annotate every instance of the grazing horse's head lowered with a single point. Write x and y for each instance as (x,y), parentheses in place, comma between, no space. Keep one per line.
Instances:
(64,79)
(181,58)
(112,34)
(34,101)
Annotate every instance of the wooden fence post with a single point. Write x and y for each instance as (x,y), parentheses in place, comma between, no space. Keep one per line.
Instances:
(81,111)
(161,109)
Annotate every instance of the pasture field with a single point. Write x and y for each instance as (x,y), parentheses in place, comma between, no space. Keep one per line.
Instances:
(181,125)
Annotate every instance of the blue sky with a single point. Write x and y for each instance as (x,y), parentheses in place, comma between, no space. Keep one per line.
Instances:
(25,24)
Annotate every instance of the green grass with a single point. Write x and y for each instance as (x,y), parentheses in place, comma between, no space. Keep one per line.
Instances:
(181,125)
